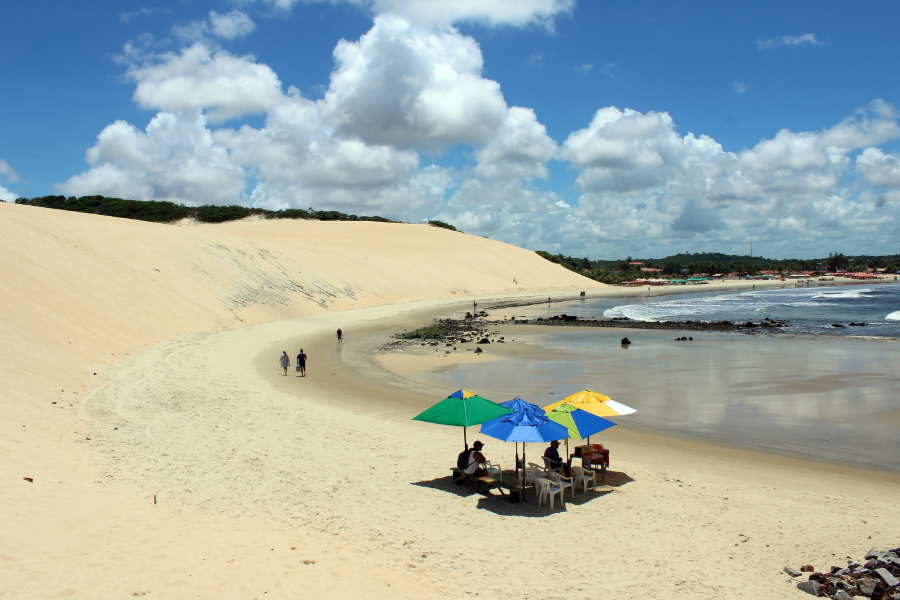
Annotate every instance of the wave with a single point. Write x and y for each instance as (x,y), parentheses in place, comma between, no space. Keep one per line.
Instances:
(841,294)
(894,316)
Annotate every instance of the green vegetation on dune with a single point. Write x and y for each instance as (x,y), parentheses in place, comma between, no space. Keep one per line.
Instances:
(443,225)
(712,263)
(167,212)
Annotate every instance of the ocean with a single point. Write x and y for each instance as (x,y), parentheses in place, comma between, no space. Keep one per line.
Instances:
(813,310)
(814,391)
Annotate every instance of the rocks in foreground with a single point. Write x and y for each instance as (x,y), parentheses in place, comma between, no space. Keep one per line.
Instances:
(877,578)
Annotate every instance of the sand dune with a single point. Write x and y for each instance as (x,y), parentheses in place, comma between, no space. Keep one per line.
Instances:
(190,467)
(81,293)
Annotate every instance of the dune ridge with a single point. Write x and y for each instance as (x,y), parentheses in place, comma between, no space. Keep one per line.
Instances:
(82,293)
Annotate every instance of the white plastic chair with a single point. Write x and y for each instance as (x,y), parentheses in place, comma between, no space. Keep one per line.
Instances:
(550,468)
(564,482)
(529,474)
(549,488)
(582,476)
(494,471)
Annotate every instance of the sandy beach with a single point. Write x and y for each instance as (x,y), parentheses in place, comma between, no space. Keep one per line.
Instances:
(190,466)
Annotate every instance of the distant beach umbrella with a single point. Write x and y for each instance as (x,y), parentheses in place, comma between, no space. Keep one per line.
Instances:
(595,403)
(463,409)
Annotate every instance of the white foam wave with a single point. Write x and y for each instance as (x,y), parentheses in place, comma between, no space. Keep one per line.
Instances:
(894,316)
(841,294)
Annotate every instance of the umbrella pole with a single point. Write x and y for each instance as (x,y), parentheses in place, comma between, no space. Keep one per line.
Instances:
(465,441)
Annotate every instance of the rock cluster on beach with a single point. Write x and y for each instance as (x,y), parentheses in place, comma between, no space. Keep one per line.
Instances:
(877,578)
(766,325)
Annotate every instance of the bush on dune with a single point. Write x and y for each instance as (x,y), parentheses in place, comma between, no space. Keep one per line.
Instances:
(167,212)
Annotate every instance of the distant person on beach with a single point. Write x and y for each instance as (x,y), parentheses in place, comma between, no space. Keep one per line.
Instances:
(548,301)
(340,336)
(476,461)
(301,362)
(556,462)
(474,306)
(285,362)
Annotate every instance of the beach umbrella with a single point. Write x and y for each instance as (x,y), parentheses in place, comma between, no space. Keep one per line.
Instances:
(579,423)
(463,409)
(524,426)
(594,403)
(517,404)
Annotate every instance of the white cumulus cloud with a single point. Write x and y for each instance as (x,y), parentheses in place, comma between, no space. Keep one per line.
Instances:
(175,159)
(880,169)
(7,171)
(519,150)
(225,86)
(439,13)
(807,39)
(410,88)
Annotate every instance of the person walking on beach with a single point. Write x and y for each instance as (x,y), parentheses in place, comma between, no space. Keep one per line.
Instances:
(474,306)
(301,362)
(285,362)
(340,336)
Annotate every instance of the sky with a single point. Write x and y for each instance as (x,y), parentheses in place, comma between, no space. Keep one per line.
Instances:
(589,128)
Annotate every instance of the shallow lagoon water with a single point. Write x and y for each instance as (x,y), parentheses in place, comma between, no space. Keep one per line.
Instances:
(829,398)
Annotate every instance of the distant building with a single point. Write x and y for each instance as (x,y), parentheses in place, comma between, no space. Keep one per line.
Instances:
(636,264)
(651,270)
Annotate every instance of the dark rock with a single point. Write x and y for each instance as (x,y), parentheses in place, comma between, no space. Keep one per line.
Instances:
(478,350)
(860,570)
(873,553)
(820,577)
(835,569)
(866,586)
(871,564)
(807,568)
(625,341)
(810,587)
(837,325)
(842,572)
(842,595)
(792,572)
(887,577)
(484,341)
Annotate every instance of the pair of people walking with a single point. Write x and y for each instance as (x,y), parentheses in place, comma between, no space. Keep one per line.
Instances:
(285,361)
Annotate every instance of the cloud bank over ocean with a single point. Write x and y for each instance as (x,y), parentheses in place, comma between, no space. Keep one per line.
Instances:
(413,89)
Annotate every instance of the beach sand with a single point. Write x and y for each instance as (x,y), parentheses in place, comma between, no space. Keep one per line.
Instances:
(190,466)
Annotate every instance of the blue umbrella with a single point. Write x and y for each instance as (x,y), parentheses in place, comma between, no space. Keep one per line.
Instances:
(524,425)
(517,404)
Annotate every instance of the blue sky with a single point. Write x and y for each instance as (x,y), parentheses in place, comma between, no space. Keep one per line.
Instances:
(596,129)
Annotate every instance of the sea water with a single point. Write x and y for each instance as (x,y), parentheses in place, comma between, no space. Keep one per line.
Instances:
(813,310)
(813,391)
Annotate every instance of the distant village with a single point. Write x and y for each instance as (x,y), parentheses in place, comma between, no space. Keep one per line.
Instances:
(700,268)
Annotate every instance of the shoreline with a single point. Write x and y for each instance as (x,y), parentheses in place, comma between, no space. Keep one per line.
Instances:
(334,459)
(425,360)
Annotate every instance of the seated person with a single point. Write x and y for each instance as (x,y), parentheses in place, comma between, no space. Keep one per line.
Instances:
(475,462)
(552,453)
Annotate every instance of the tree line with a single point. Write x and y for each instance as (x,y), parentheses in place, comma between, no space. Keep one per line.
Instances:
(709,264)
(166,212)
